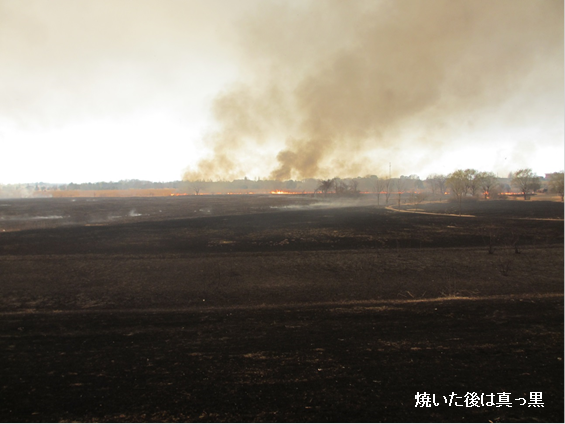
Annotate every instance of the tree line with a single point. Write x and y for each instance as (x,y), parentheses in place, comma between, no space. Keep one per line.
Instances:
(471,182)
(460,184)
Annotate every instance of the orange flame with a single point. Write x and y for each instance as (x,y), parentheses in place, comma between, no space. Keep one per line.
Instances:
(289,192)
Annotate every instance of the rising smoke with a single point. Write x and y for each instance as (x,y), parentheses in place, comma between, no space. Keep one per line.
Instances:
(328,86)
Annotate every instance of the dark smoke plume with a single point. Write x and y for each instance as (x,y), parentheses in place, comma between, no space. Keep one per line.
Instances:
(329,84)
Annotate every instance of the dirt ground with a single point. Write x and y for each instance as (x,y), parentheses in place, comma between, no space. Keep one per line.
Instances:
(278,308)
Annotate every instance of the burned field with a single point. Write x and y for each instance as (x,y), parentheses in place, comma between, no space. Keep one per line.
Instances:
(276,308)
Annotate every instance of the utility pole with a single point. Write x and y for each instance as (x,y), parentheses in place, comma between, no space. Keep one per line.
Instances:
(389,171)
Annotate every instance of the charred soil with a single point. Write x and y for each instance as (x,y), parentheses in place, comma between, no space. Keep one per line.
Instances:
(271,308)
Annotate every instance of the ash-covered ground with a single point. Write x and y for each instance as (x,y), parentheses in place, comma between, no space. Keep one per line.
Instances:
(278,308)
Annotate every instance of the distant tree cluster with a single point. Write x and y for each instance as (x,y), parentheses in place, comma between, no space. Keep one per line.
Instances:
(470,182)
(463,182)
(103,185)
(339,186)
(526,181)
(437,184)
(120,185)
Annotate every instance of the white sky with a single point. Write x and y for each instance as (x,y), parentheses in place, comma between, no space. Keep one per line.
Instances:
(98,90)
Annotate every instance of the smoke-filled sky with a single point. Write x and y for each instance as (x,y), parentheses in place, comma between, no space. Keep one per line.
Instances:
(98,90)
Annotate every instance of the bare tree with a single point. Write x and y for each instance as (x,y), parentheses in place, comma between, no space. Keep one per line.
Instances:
(339,186)
(488,181)
(378,185)
(473,182)
(526,181)
(556,183)
(344,188)
(441,181)
(388,186)
(198,186)
(458,183)
(430,184)
(437,183)
(402,184)
(326,185)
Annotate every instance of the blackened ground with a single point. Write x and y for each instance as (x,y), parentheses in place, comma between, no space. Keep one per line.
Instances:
(266,309)
(354,227)
(21,214)
(337,363)
(517,209)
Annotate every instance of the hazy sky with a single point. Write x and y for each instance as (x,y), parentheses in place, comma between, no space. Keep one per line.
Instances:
(157,89)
